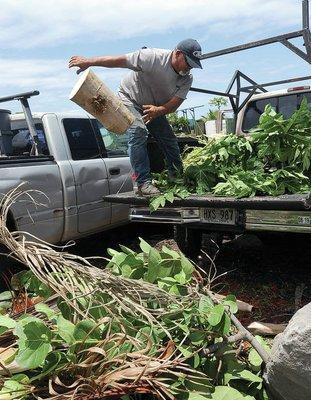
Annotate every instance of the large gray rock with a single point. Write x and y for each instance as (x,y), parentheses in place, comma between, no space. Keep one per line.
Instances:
(288,372)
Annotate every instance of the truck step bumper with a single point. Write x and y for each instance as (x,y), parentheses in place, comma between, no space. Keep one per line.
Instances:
(278,221)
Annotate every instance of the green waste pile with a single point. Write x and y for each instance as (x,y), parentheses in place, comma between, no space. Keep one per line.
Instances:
(273,160)
(145,327)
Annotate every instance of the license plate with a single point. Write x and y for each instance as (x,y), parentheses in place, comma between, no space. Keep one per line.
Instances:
(225,216)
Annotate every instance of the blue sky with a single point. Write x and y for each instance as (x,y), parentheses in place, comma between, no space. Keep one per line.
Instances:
(39,36)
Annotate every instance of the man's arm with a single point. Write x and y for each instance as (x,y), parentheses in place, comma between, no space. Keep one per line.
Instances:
(150,111)
(103,61)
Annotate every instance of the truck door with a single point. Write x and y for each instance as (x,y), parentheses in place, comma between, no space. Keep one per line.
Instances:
(90,174)
(118,168)
(45,219)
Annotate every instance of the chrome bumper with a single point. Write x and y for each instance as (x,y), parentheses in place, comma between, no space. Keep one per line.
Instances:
(165,215)
(278,221)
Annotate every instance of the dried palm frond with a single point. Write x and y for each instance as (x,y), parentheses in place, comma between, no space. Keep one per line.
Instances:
(74,278)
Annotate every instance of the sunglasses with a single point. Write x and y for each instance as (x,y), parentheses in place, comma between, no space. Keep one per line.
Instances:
(189,66)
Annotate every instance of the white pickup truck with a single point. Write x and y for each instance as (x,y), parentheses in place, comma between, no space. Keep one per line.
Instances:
(79,162)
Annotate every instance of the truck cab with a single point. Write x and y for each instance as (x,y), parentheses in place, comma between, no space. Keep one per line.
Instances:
(79,163)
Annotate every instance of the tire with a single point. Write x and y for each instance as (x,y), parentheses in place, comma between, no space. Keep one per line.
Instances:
(188,240)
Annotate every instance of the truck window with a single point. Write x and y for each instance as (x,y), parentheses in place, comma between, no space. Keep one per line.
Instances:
(82,138)
(254,111)
(286,105)
(304,96)
(19,141)
(115,144)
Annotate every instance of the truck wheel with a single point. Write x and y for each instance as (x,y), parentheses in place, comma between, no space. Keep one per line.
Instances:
(188,240)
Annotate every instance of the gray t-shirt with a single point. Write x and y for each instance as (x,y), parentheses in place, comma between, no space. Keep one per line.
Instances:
(153,79)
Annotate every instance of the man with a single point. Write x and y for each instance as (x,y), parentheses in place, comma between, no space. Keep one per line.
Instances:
(158,84)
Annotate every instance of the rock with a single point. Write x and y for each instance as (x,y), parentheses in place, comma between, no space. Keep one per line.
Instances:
(288,372)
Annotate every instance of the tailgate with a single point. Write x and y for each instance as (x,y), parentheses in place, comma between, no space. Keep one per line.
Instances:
(293,202)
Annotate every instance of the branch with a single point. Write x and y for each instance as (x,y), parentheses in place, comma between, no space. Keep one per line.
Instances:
(245,334)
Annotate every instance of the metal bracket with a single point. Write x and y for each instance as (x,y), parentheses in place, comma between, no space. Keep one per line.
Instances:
(23,98)
(284,39)
(250,90)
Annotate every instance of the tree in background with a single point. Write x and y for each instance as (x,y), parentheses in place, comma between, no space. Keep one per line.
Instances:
(218,102)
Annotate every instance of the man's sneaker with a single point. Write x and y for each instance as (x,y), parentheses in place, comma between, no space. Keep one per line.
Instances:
(148,189)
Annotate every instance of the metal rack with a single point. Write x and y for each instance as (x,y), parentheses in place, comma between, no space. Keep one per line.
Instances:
(253,87)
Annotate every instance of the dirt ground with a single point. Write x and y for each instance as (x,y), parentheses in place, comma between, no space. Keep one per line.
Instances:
(270,275)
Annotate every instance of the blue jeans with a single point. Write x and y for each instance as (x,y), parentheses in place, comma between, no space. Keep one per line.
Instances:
(161,130)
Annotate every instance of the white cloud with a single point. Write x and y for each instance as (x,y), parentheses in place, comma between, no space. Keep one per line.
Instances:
(37,23)
(31,26)
(51,77)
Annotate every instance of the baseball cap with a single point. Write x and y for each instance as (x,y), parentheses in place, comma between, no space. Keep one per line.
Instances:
(192,51)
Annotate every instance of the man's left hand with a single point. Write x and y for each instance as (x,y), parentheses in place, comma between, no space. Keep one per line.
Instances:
(150,112)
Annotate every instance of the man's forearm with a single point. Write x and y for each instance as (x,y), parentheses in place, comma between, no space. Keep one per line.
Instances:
(150,111)
(171,106)
(108,61)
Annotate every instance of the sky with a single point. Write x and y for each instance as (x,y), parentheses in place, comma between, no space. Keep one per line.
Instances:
(39,36)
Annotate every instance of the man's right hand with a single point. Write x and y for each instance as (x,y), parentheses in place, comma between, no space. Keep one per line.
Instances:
(81,62)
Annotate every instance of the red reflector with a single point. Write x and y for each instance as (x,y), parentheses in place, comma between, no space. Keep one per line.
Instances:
(294,89)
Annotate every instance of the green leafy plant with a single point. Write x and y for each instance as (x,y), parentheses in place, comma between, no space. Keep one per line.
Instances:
(273,160)
(172,346)
(179,124)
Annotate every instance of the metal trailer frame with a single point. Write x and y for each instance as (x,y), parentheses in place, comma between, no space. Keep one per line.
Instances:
(254,87)
(23,98)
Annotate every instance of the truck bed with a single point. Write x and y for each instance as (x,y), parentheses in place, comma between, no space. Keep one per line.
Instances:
(295,202)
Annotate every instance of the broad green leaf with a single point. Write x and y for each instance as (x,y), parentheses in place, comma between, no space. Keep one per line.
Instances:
(126,249)
(174,254)
(154,260)
(15,387)
(181,278)
(7,323)
(186,265)
(205,305)
(156,202)
(232,305)
(243,374)
(5,296)
(225,324)
(145,247)
(196,396)
(34,344)
(254,358)
(228,393)
(216,315)
(126,271)
(87,329)
(53,360)
(65,329)
(197,338)
(45,309)
(169,196)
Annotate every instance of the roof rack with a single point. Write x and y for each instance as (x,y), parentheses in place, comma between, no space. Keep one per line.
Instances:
(253,87)
(283,39)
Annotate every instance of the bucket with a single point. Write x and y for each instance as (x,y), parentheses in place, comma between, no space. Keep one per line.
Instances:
(96,98)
